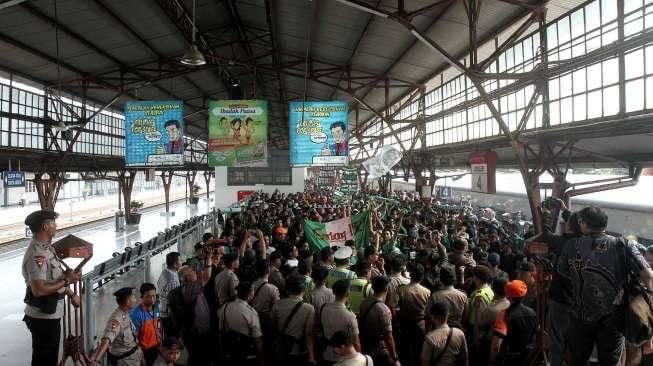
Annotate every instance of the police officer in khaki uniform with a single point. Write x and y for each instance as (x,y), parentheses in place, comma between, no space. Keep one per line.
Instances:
(240,329)
(226,281)
(265,295)
(47,284)
(119,335)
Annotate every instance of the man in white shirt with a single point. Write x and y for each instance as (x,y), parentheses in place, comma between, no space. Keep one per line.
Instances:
(168,281)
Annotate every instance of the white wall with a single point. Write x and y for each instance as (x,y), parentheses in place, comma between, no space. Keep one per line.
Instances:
(227,195)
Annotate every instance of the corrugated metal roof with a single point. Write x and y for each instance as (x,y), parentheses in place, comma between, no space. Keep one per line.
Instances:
(341,36)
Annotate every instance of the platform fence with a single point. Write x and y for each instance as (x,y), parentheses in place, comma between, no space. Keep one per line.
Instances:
(142,263)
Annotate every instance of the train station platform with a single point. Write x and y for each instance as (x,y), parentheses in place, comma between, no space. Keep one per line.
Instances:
(16,347)
(73,212)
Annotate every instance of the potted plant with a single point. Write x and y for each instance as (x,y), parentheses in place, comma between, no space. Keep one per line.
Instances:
(194,194)
(134,216)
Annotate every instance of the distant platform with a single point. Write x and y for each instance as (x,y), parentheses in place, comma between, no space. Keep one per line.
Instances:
(15,338)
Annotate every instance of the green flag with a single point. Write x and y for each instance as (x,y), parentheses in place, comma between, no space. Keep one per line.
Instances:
(317,234)
(362,231)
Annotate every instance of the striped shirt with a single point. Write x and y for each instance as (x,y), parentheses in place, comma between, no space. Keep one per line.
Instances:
(168,281)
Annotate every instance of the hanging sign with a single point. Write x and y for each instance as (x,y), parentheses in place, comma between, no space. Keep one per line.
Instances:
(238,133)
(154,133)
(14,179)
(483,168)
(319,133)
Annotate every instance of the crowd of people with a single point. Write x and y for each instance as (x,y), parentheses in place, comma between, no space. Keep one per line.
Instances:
(434,285)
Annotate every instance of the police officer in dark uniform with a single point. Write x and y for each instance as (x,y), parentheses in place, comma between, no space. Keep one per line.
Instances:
(47,285)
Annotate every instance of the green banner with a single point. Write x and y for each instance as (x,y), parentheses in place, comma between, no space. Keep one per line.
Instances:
(238,133)
(319,236)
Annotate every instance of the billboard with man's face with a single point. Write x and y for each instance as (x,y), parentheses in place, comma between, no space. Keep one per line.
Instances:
(154,134)
(319,133)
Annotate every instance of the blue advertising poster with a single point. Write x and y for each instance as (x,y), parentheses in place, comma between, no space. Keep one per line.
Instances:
(154,133)
(14,179)
(319,133)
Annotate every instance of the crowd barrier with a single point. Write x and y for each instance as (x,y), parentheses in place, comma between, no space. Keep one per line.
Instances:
(142,263)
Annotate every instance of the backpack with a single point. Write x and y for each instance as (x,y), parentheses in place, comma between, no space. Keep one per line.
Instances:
(638,317)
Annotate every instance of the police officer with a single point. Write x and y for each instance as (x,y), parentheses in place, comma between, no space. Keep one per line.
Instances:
(119,335)
(47,285)
(226,281)
(341,271)
(240,329)
(360,287)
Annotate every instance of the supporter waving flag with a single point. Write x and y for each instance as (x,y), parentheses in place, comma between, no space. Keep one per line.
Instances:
(326,234)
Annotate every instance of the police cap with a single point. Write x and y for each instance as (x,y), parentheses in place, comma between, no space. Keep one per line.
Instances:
(343,252)
(39,217)
(124,292)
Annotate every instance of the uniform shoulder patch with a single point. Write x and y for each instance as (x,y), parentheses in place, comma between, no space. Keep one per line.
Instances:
(40,260)
(114,324)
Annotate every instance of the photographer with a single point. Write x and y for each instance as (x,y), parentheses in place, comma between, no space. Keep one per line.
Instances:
(47,285)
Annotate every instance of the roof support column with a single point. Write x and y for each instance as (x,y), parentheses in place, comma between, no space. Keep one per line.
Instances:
(207,178)
(190,182)
(166,178)
(48,189)
(126,180)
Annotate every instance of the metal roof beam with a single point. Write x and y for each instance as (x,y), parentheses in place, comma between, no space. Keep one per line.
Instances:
(39,14)
(131,31)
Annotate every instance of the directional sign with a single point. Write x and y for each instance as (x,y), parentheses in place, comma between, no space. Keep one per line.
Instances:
(14,179)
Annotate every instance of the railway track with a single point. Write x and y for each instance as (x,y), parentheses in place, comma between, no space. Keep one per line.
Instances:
(13,235)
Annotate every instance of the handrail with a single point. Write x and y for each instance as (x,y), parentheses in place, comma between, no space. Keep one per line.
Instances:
(110,269)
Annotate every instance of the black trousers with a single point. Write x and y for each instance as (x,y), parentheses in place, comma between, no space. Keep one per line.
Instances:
(151,355)
(46,336)
(606,335)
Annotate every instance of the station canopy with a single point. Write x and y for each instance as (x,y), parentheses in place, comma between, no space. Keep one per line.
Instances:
(276,50)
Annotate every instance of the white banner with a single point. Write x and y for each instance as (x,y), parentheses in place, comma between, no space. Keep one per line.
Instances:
(339,231)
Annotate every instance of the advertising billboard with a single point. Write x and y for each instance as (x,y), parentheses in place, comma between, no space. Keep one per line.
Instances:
(154,133)
(319,133)
(238,133)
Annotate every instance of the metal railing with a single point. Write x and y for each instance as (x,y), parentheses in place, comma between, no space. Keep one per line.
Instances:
(142,263)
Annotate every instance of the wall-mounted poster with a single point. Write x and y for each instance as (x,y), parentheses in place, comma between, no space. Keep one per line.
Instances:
(154,133)
(319,133)
(238,133)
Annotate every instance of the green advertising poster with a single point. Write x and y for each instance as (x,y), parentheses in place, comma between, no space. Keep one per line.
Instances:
(238,133)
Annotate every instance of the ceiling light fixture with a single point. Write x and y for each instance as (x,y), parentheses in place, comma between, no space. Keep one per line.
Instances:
(363,8)
(192,56)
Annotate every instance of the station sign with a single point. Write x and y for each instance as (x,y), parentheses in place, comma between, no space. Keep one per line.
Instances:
(154,133)
(319,133)
(14,179)
(483,168)
(238,133)
(445,192)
